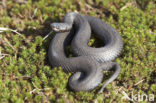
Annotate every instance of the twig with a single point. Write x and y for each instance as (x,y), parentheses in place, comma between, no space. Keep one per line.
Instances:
(6,40)
(35,11)
(139,82)
(15,77)
(24,77)
(4,74)
(41,94)
(127,5)
(4,3)
(39,90)
(3,55)
(33,91)
(15,31)
(2,29)
(21,1)
(47,35)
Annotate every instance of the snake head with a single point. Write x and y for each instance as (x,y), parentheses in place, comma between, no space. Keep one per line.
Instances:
(60,27)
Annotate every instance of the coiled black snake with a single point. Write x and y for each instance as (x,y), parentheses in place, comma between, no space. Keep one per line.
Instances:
(89,63)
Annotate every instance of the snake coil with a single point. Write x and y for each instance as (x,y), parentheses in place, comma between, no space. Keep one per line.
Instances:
(88,65)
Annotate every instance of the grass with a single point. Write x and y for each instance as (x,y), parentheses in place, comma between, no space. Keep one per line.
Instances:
(25,73)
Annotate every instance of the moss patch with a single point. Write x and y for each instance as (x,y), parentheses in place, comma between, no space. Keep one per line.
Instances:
(25,73)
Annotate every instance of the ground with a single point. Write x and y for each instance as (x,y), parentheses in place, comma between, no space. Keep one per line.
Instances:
(26,75)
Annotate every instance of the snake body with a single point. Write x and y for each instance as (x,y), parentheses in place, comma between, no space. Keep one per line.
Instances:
(89,63)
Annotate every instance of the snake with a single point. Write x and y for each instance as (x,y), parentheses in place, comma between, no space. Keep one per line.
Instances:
(88,63)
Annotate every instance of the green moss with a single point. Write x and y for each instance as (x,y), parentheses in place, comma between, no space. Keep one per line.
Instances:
(26,75)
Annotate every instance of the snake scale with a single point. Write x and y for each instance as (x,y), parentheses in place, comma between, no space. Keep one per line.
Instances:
(88,63)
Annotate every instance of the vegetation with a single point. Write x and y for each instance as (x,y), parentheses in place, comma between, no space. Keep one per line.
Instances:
(25,73)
